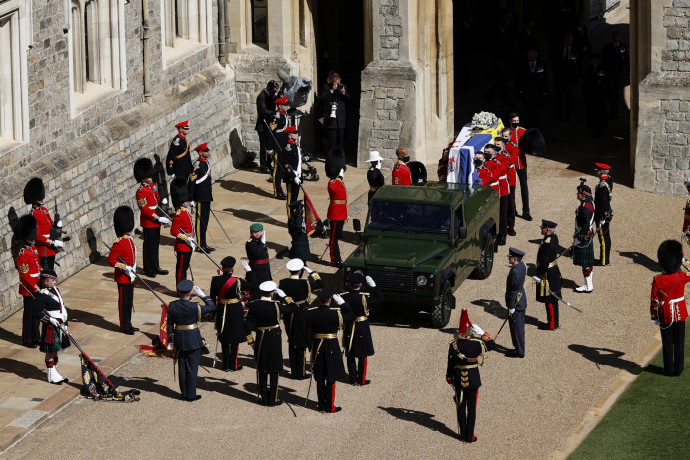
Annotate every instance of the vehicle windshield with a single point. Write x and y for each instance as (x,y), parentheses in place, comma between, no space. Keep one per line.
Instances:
(409,216)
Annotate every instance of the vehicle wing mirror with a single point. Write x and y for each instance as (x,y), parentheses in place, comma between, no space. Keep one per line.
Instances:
(461,233)
(357,225)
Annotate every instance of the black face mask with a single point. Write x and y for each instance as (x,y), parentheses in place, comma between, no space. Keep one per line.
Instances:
(514,125)
(406,159)
(478,163)
(506,140)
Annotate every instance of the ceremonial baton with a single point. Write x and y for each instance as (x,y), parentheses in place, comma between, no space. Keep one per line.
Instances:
(221,226)
(565,302)
(199,247)
(502,325)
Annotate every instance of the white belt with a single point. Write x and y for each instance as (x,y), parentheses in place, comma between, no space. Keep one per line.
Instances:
(34,275)
(505,176)
(153,207)
(679,299)
(198,181)
(57,314)
(512,166)
(47,235)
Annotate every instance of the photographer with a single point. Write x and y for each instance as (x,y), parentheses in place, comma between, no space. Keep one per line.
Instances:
(333,99)
(265,108)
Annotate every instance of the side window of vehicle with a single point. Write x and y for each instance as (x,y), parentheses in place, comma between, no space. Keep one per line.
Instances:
(458,221)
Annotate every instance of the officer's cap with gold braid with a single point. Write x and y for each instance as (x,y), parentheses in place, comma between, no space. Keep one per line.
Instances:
(123,220)
(143,169)
(670,255)
(34,191)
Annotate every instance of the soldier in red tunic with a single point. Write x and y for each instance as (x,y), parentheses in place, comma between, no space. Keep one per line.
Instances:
(513,147)
(337,209)
(48,232)
(667,306)
(123,256)
(182,228)
(499,170)
(29,268)
(401,173)
(511,161)
(147,200)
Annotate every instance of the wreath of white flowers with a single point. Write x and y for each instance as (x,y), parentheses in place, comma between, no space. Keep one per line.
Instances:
(483,119)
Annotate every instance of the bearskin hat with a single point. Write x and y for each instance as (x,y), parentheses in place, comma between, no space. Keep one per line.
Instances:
(532,143)
(417,171)
(123,220)
(335,161)
(34,191)
(178,191)
(670,255)
(26,228)
(143,168)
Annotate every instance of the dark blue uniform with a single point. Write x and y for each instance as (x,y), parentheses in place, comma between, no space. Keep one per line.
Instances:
(257,253)
(357,339)
(203,195)
(183,323)
(516,298)
(550,274)
(602,217)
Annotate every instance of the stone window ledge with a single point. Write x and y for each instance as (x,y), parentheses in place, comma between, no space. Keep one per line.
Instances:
(7,145)
(92,95)
(182,50)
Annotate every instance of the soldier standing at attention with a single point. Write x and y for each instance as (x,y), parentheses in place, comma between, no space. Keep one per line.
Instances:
(583,244)
(337,209)
(499,171)
(357,339)
(374,174)
(179,161)
(276,141)
(513,147)
(290,159)
(324,322)
(47,242)
(511,160)
(668,308)
(265,108)
(51,311)
(300,291)
(548,276)
(203,195)
(181,228)
(401,173)
(516,301)
(29,268)
(123,256)
(257,253)
(228,291)
(183,323)
(603,212)
(147,200)
(465,355)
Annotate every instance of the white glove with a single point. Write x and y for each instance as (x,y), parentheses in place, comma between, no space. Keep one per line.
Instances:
(172,176)
(684,237)
(58,243)
(59,224)
(536,278)
(280,293)
(511,311)
(655,322)
(130,271)
(163,220)
(370,281)
(191,243)
(54,322)
(246,266)
(165,201)
(197,290)
(477,330)
(192,203)
(308,270)
(297,180)
(339,300)
(602,222)
(263,237)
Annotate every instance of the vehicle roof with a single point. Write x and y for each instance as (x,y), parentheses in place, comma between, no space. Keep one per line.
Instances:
(434,192)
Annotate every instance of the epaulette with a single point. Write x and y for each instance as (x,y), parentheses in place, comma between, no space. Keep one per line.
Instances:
(364,293)
(334,308)
(250,240)
(44,291)
(179,210)
(312,308)
(547,240)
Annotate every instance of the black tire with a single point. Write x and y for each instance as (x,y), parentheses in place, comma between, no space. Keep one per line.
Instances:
(486,260)
(440,314)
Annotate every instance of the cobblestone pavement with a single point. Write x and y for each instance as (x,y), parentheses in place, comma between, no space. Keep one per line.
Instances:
(529,408)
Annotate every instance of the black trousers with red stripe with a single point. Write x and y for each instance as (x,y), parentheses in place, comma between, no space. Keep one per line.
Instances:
(203,212)
(268,396)
(152,238)
(511,209)
(230,355)
(552,315)
(336,234)
(467,412)
(30,329)
(125,303)
(357,369)
(183,259)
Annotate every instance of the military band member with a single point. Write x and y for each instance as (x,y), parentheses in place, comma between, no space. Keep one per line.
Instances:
(300,291)
(465,355)
(123,256)
(181,228)
(275,142)
(179,161)
(29,269)
(357,339)
(511,161)
(668,309)
(686,220)
(290,158)
(583,244)
(148,201)
(374,174)
(603,212)
(229,292)
(324,322)
(48,232)
(50,309)
(548,276)
(264,318)
(337,209)
(183,324)
(401,173)
(297,228)
(257,253)
(203,196)
(516,301)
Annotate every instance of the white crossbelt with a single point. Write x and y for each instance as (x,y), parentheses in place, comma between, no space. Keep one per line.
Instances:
(198,181)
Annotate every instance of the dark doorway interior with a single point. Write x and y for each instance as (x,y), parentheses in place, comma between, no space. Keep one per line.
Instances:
(339,28)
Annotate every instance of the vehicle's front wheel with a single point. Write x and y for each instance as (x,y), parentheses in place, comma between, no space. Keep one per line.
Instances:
(486,260)
(440,314)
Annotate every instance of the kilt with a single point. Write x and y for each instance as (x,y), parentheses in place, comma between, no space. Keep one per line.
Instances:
(584,257)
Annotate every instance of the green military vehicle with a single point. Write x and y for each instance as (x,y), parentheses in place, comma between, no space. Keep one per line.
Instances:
(421,242)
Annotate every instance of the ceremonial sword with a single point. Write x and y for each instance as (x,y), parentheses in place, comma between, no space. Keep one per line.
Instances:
(221,226)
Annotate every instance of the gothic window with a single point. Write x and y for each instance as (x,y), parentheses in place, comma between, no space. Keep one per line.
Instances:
(185,25)
(13,83)
(259,10)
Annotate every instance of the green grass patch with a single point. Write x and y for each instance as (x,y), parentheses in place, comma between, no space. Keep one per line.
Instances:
(650,420)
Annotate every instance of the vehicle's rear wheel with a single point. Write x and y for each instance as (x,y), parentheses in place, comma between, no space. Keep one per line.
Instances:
(440,314)
(486,260)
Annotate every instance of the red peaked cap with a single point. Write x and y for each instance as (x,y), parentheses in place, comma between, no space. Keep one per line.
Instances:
(602,166)
(464,323)
(184,124)
(291,129)
(282,101)
(201,147)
